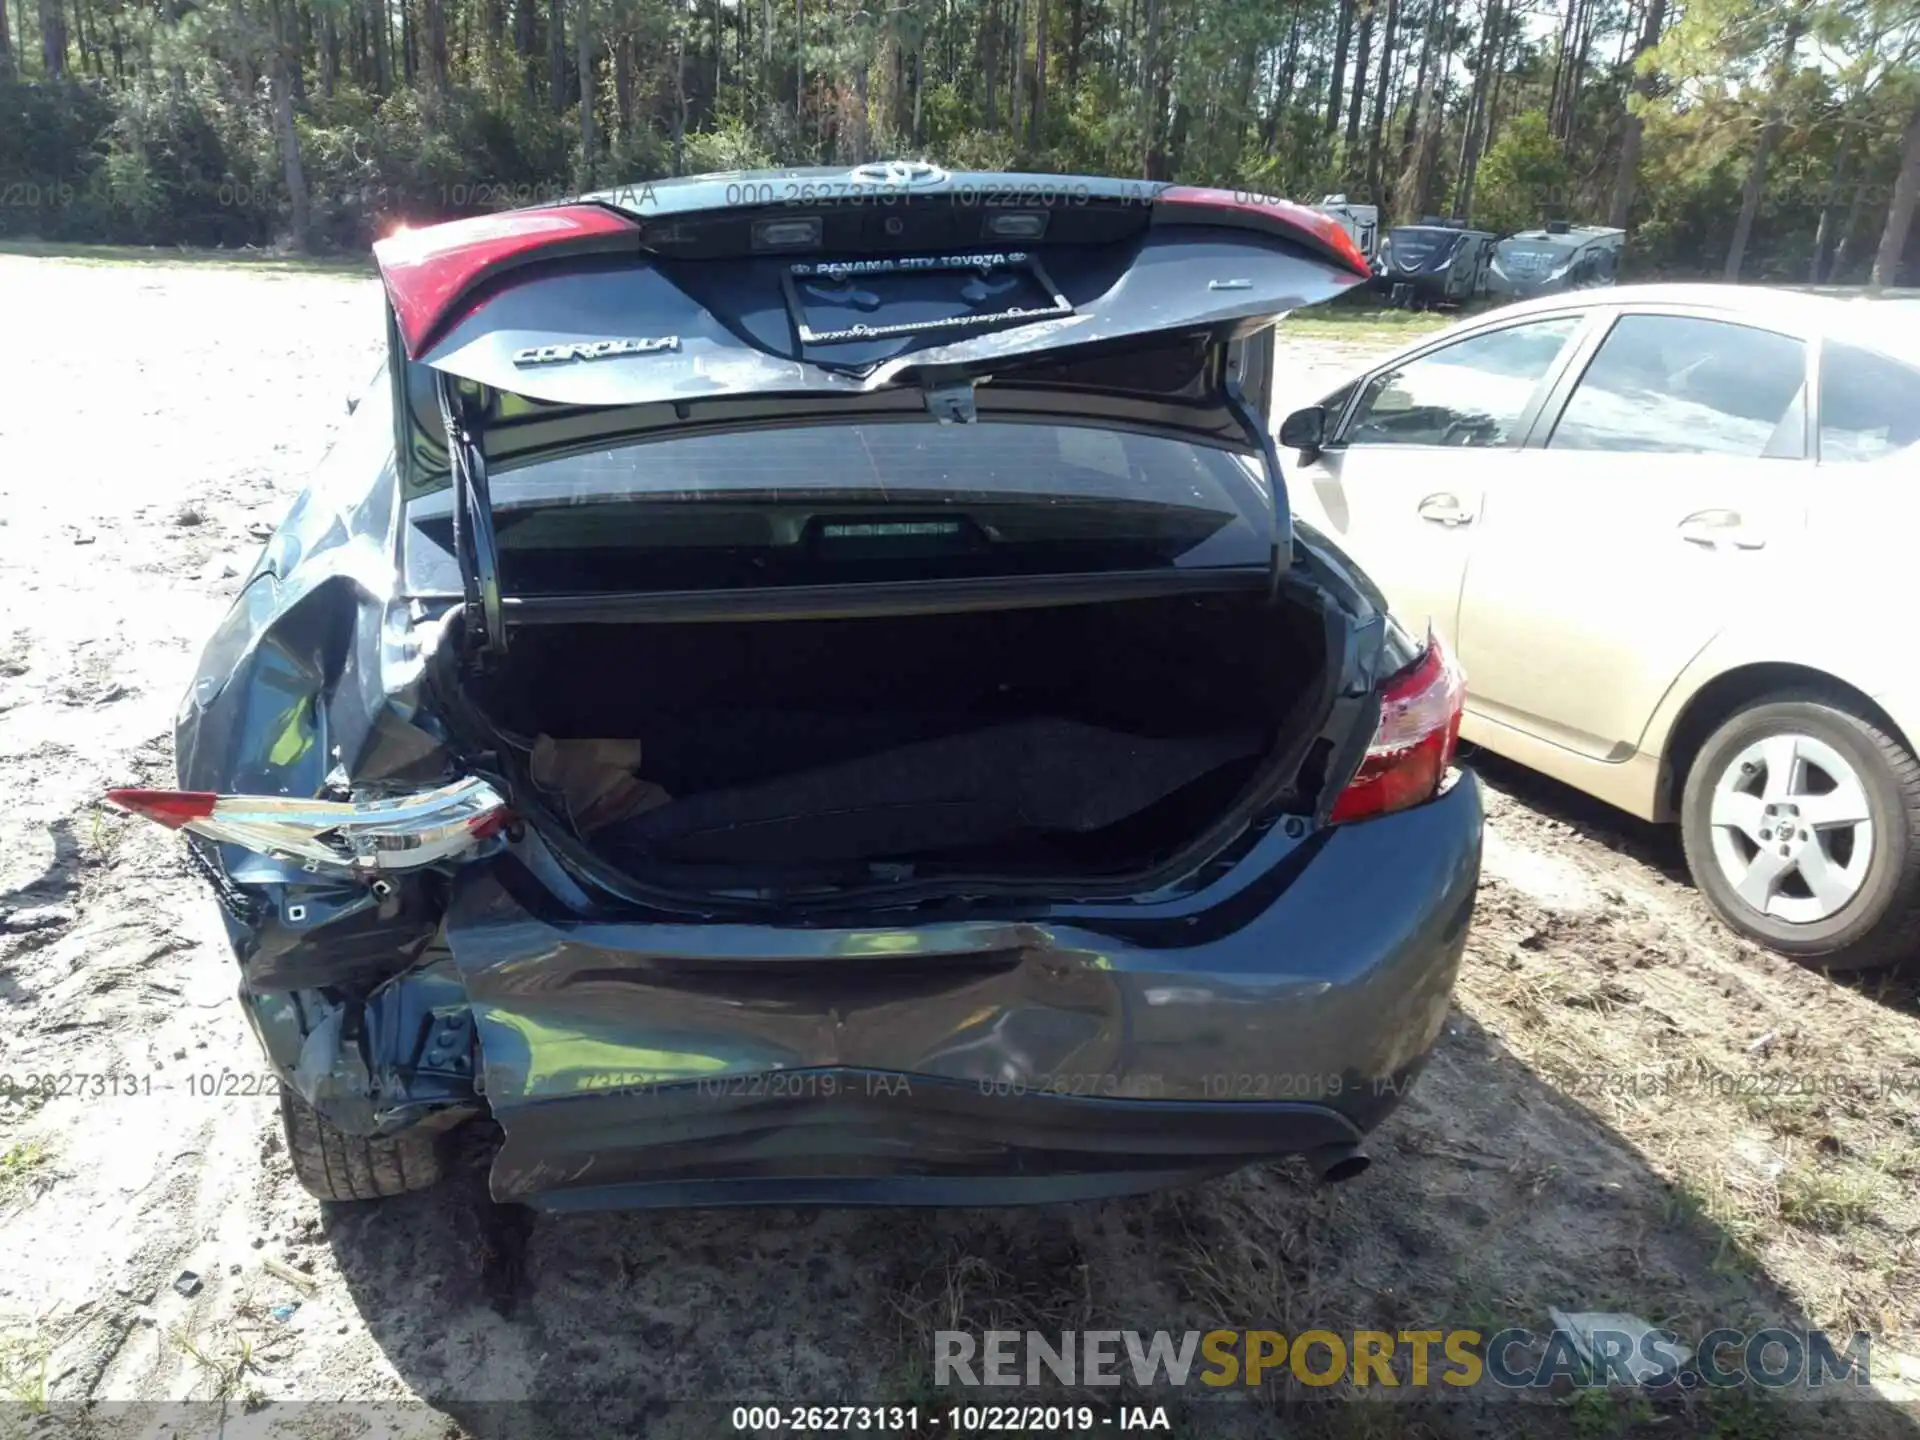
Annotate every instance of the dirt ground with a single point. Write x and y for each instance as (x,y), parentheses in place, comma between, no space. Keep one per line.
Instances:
(1632,1110)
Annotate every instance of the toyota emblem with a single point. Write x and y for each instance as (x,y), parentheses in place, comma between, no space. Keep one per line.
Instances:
(897,173)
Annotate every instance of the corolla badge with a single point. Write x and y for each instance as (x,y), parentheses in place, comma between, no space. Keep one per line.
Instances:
(594,350)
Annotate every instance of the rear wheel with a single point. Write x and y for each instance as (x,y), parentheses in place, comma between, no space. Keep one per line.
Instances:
(334,1165)
(1801,821)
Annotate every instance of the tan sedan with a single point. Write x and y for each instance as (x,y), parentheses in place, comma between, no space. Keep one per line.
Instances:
(1669,531)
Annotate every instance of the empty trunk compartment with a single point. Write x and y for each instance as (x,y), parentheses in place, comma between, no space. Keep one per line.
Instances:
(1082,739)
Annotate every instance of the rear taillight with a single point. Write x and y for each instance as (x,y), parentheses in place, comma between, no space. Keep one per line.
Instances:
(1269,212)
(1414,744)
(429,272)
(402,833)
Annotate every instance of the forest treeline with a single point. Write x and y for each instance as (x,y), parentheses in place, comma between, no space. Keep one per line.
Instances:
(1761,139)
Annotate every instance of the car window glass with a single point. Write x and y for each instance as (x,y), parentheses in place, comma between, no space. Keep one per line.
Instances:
(1689,386)
(1869,405)
(1472,392)
(1335,405)
(1789,438)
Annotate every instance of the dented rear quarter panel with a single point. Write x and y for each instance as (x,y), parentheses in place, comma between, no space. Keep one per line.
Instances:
(310,683)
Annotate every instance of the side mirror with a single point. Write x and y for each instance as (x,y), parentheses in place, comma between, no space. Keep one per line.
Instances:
(1305,431)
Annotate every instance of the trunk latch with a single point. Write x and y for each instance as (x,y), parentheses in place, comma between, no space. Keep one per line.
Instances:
(952,404)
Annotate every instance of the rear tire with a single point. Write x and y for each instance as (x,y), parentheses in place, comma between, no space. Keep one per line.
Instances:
(1768,807)
(334,1165)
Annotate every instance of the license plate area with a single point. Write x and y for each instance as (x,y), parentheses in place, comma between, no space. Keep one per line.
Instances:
(839,302)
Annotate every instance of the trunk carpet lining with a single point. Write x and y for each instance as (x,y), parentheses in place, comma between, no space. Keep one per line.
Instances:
(983,787)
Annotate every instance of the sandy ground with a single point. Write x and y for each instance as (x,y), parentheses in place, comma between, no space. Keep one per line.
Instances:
(154,423)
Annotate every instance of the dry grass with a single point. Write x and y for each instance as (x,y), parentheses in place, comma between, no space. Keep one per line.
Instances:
(1376,326)
(21,1165)
(1803,1137)
(23,1371)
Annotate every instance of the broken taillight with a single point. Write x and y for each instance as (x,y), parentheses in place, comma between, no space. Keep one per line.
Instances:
(398,833)
(1414,743)
(171,808)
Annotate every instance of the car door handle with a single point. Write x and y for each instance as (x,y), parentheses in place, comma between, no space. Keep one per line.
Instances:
(1719,530)
(1444,509)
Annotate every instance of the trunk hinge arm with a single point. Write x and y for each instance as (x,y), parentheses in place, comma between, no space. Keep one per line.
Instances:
(1280,559)
(475,546)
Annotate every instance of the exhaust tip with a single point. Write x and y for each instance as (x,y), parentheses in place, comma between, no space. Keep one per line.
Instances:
(1341,1162)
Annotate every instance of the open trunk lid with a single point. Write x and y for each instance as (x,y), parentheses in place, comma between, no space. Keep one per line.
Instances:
(895,293)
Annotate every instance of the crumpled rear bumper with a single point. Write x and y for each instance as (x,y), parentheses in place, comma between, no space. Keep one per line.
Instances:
(839,1136)
(1076,1051)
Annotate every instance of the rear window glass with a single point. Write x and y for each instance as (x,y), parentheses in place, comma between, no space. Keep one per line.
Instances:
(1869,405)
(1682,385)
(849,503)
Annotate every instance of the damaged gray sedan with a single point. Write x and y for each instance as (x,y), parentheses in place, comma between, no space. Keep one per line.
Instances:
(804,688)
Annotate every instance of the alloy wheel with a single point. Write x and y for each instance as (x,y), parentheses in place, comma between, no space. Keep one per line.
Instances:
(1791,829)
